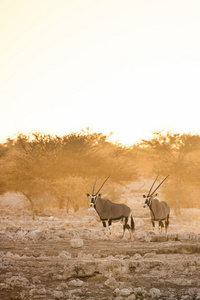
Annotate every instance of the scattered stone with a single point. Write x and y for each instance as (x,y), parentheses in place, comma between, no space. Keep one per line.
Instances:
(57,294)
(111,283)
(63,285)
(140,291)
(125,292)
(71,294)
(137,256)
(154,293)
(132,297)
(57,277)
(98,269)
(35,235)
(76,282)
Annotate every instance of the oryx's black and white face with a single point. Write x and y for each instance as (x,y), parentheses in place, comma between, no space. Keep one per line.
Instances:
(93,199)
(148,200)
(94,196)
(152,195)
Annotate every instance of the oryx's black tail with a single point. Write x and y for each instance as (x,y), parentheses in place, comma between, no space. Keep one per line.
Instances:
(132,224)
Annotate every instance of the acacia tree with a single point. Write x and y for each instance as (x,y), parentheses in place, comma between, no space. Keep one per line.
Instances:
(40,164)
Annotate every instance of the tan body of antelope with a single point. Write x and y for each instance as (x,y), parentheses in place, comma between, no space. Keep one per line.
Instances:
(109,211)
(159,210)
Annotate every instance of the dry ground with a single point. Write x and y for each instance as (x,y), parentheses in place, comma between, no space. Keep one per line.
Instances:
(66,256)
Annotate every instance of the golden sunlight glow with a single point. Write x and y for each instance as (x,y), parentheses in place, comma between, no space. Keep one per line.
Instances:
(128,67)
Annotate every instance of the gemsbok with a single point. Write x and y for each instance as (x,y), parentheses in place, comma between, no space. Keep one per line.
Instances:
(109,211)
(159,210)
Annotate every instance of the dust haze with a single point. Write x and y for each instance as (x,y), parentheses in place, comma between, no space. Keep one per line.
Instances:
(53,246)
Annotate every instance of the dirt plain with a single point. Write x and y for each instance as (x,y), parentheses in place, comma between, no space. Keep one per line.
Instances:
(57,255)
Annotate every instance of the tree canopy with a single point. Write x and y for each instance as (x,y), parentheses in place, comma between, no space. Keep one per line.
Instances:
(40,164)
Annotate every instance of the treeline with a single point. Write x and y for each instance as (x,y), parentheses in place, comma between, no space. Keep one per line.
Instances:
(57,171)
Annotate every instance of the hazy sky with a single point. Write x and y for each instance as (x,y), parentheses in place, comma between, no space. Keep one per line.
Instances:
(128,67)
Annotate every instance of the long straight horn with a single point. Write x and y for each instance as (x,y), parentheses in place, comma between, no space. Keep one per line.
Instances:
(152,186)
(94,186)
(102,186)
(159,185)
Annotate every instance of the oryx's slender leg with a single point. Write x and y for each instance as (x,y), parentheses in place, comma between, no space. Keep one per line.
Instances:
(104,226)
(131,225)
(109,227)
(153,224)
(166,223)
(126,225)
(161,225)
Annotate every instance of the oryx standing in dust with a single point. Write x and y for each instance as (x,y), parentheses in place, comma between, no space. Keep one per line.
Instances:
(109,211)
(159,210)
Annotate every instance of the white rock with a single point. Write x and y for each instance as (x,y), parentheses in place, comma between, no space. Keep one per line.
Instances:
(76,282)
(154,292)
(16,256)
(21,234)
(111,283)
(34,234)
(137,256)
(57,277)
(140,291)
(9,254)
(63,285)
(125,292)
(71,294)
(117,291)
(57,294)
(76,243)
(131,297)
